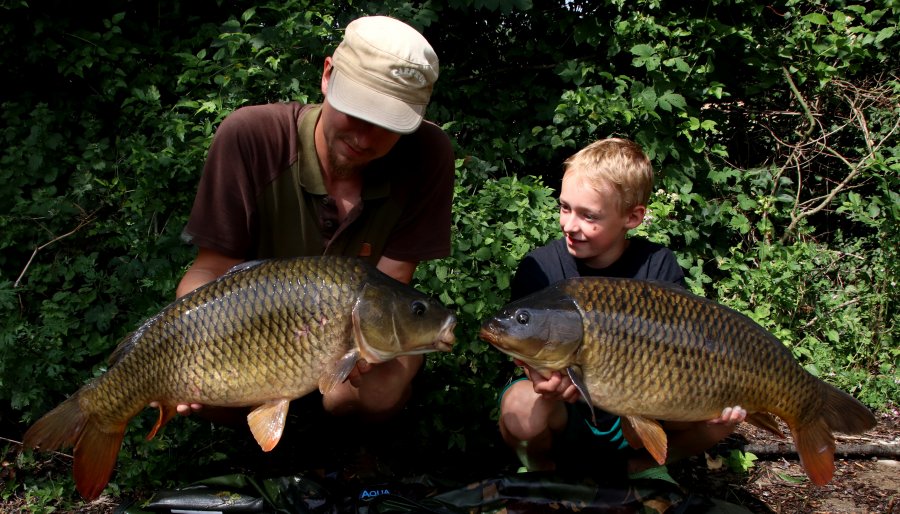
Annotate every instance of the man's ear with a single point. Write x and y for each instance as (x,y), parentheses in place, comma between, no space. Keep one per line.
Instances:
(326,74)
(635,216)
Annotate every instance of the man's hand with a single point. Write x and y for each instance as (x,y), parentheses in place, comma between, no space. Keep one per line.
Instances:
(557,387)
(355,377)
(184,409)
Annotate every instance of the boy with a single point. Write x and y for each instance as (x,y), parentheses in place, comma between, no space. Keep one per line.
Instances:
(605,190)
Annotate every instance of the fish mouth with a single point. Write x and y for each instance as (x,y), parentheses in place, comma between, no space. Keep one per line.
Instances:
(488,335)
(446,338)
(492,337)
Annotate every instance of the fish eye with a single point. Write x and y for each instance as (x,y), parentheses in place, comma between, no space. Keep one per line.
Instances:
(418,308)
(522,317)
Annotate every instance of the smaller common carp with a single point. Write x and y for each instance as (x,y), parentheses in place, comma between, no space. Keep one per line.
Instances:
(650,351)
(263,334)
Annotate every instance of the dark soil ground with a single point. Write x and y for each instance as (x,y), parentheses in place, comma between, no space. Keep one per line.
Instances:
(866,480)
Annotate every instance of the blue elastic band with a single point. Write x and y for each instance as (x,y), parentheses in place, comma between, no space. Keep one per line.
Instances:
(510,384)
(616,427)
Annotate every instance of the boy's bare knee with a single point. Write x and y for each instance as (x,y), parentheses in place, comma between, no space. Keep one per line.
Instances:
(524,415)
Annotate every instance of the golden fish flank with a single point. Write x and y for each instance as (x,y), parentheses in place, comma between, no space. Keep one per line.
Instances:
(650,351)
(265,333)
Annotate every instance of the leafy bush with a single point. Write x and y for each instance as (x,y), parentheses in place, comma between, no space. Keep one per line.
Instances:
(496,221)
(773,128)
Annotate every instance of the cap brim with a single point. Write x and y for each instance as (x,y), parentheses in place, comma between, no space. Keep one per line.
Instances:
(377,108)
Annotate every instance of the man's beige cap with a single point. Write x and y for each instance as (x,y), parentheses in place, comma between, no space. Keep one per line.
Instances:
(384,71)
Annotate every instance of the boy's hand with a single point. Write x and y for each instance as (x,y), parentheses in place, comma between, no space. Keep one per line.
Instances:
(557,387)
(730,416)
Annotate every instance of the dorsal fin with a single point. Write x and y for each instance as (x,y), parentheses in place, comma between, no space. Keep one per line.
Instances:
(128,342)
(125,346)
(243,266)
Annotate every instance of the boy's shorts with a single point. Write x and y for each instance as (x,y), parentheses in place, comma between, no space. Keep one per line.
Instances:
(583,447)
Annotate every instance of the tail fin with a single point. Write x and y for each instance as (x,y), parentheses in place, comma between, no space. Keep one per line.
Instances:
(59,428)
(815,445)
(844,413)
(814,440)
(95,458)
(95,449)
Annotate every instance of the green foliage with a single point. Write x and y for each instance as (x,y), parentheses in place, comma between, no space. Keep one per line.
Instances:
(768,156)
(42,492)
(495,223)
(773,130)
(740,462)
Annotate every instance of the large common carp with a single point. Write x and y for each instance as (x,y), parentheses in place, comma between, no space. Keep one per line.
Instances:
(650,351)
(261,335)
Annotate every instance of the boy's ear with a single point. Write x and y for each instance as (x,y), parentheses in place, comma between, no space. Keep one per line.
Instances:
(635,216)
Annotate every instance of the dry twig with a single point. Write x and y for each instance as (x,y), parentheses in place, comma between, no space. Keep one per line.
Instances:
(83,222)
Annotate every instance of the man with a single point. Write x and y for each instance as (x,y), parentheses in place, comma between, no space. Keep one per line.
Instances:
(359,175)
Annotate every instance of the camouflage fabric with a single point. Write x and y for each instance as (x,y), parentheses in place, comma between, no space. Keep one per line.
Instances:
(518,493)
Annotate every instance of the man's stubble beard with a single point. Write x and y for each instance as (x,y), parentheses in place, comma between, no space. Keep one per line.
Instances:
(339,169)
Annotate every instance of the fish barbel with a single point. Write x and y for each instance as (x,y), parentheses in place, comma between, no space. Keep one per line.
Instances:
(650,351)
(261,335)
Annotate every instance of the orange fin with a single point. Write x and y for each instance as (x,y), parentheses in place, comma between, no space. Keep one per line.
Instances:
(267,422)
(815,446)
(649,434)
(814,440)
(166,412)
(765,421)
(96,447)
(844,413)
(59,428)
(95,457)
(628,431)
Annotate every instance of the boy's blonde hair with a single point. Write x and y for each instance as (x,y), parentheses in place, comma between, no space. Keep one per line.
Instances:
(614,163)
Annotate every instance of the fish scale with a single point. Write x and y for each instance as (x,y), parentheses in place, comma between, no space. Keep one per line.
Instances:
(697,335)
(650,351)
(261,335)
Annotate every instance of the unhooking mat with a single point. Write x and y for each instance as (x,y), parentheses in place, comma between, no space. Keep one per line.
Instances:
(518,493)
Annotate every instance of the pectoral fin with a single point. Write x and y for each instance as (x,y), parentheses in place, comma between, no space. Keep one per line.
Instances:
(338,372)
(765,421)
(578,380)
(646,433)
(267,422)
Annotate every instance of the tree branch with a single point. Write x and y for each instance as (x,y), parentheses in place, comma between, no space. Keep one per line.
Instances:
(803,104)
(85,220)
